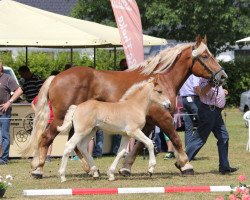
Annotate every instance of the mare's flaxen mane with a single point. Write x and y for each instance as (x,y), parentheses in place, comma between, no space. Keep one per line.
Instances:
(165,58)
(133,89)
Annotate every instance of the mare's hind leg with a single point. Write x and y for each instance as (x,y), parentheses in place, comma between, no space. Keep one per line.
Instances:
(41,153)
(121,152)
(140,136)
(130,158)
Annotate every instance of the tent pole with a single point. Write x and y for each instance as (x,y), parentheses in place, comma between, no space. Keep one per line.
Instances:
(71,56)
(94,57)
(26,56)
(115,57)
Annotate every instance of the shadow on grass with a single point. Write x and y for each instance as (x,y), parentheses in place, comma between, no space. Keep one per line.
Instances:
(134,176)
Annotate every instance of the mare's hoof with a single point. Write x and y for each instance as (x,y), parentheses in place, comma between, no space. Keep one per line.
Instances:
(186,172)
(125,172)
(37,176)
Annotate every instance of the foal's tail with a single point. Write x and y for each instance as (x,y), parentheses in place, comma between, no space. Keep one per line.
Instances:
(40,121)
(67,122)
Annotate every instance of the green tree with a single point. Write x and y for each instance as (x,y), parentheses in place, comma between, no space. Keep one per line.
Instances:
(223,21)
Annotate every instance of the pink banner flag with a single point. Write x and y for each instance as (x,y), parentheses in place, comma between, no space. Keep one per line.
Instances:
(128,20)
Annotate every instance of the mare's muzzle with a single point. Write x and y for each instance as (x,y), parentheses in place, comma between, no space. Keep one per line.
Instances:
(219,77)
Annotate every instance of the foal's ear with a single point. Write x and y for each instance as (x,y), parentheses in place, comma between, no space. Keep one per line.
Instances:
(198,40)
(156,78)
(205,39)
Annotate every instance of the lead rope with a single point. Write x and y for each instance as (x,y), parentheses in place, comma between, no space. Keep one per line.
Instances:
(212,107)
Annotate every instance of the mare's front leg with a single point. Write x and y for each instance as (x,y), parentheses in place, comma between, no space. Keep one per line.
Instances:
(131,156)
(41,152)
(165,121)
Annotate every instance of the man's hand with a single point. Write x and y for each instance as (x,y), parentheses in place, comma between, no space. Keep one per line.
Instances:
(5,106)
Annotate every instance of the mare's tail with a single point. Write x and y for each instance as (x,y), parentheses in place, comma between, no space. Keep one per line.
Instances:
(40,121)
(67,122)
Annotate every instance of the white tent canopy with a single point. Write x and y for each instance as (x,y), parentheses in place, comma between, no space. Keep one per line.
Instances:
(22,25)
(247,39)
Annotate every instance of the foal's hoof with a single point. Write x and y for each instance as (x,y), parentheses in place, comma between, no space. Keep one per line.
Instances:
(96,174)
(111,177)
(186,172)
(125,172)
(37,176)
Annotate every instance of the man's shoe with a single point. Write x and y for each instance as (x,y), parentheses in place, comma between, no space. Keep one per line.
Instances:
(2,162)
(228,171)
(75,158)
(169,155)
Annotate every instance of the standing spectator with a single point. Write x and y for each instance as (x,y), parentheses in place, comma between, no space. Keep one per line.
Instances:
(7,85)
(67,66)
(97,152)
(170,152)
(210,120)
(191,102)
(123,64)
(32,83)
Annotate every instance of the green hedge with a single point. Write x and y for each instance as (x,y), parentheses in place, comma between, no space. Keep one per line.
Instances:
(43,63)
(238,79)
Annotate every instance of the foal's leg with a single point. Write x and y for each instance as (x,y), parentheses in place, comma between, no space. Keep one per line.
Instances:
(140,136)
(120,154)
(83,146)
(70,145)
(82,158)
(130,158)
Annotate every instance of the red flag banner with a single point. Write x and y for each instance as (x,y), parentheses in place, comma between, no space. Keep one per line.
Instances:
(128,21)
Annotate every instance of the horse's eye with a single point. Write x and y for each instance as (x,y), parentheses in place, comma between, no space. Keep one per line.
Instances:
(160,92)
(205,56)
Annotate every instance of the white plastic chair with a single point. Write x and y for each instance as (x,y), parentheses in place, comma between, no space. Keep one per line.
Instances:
(246,117)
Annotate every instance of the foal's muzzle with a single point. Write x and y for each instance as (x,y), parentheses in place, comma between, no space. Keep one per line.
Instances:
(166,104)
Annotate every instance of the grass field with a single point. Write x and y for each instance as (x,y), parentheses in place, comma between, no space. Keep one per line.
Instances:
(206,171)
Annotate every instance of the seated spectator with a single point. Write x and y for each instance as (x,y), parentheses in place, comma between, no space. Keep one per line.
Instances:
(32,83)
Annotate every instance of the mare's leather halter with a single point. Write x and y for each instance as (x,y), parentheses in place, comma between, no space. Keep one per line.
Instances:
(203,61)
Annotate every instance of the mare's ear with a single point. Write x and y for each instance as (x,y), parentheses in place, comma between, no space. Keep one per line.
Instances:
(205,39)
(198,40)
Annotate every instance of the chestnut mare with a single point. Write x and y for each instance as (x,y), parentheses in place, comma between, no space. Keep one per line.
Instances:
(78,84)
(126,117)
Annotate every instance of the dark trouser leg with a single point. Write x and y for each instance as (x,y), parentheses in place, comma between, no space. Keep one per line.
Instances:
(221,134)
(5,136)
(199,138)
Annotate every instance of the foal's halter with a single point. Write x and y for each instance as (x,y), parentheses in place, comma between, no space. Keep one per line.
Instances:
(203,61)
